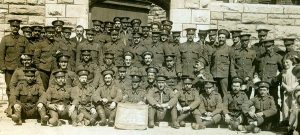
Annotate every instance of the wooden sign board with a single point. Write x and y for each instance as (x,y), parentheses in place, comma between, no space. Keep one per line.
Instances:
(131,116)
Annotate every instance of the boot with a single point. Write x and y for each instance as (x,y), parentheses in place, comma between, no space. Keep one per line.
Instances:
(249,128)
(151,123)
(182,124)
(233,125)
(80,117)
(53,121)
(175,125)
(44,116)
(208,123)
(103,121)
(16,117)
(256,130)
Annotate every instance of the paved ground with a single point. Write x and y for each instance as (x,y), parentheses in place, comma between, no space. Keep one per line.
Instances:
(31,127)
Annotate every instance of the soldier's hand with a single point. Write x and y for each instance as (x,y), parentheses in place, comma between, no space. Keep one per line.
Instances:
(260,114)
(179,108)
(93,111)
(40,105)
(104,100)
(71,109)
(112,105)
(52,107)
(227,118)
(158,105)
(209,114)
(187,108)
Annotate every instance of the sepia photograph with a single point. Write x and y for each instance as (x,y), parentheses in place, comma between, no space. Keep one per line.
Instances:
(149,67)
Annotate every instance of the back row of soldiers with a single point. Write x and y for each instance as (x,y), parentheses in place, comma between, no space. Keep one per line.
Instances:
(152,57)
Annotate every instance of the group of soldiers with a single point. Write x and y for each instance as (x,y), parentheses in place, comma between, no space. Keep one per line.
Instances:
(51,76)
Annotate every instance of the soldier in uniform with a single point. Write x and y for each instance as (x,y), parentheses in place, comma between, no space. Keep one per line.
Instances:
(98,31)
(136,48)
(27,32)
(289,44)
(154,40)
(58,25)
(109,62)
(146,39)
(201,73)
(86,111)
(202,34)
(106,98)
(210,105)
(164,36)
(235,34)
(258,47)
(87,63)
(117,23)
(155,26)
(62,100)
(188,102)
(26,99)
(135,94)
(244,63)
(222,62)
(232,104)
(167,25)
(11,48)
(162,101)
(265,108)
(122,78)
(89,43)
(36,33)
(44,55)
(212,44)
(169,68)
(125,32)
(150,77)
(190,52)
(129,61)
(158,49)
(79,38)
(136,23)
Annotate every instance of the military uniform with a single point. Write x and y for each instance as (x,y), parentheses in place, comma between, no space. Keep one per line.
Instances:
(63,98)
(24,99)
(210,46)
(174,48)
(11,47)
(135,95)
(137,50)
(113,94)
(236,34)
(58,24)
(145,40)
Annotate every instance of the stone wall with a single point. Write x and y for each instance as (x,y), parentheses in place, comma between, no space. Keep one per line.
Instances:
(156,13)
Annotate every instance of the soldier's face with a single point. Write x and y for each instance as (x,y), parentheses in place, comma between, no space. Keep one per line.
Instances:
(90,37)
(263,91)
(107,29)
(170,63)
(36,34)
(117,25)
(15,29)
(222,39)
(108,61)
(155,39)
(198,66)
(262,37)
(108,79)
(236,87)
(97,28)
(122,74)
(67,35)
(30,79)
(83,79)
(50,35)
(187,86)
(236,39)
(151,77)
(212,38)
(287,63)
(86,58)
(63,64)
(27,62)
(124,26)
(167,27)
(176,39)
(135,85)
(79,32)
(202,36)
(245,43)
(145,33)
(155,28)
(163,38)
(269,49)
(60,80)
(136,40)
(58,28)
(27,34)
(161,85)
(136,28)
(147,59)
(209,89)
(114,37)
(128,60)
(190,38)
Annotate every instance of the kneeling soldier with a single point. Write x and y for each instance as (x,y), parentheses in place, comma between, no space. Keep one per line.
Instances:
(106,98)
(265,108)
(188,101)
(62,100)
(162,100)
(232,103)
(86,111)
(210,104)
(26,99)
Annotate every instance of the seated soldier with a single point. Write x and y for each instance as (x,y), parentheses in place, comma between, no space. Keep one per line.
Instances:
(62,100)
(106,98)
(136,94)
(188,101)
(210,105)
(233,104)
(62,60)
(162,100)
(169,68)
(86,111)
(264,108)
(87,63)
(149,81)
(122,79)
(201,73)
(26,100)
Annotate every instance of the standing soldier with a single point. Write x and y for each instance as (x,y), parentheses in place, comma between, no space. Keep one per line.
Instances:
(162,101)
(66,45)
(167,25)
(62,100)
(27,32)
(129,61)
(135,94)
(106,98)
(125,32)
(44,55)
(201,73)
(212,44)
(136,23)
(164,37)
(117,23)
(210,105)
(265,108)
(158,49)
(11,48)
(36,33)
(244,63)
(232,103)
(169,68)
(235,34)
(86,111)
(58,25)
(89,43)
(136,48)
(188,101)
(289,44)
(222,62)
(99,35)
(202,34)
(190,52)
(258,47)
(155,26)
(26,99)
(173,47)
(109,62)
(146,35)
(108,26)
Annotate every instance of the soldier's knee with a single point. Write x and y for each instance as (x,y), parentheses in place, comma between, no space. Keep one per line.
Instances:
(217,118)
(17,107)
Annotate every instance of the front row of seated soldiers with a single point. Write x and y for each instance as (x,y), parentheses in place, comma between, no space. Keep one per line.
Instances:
(84,104)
